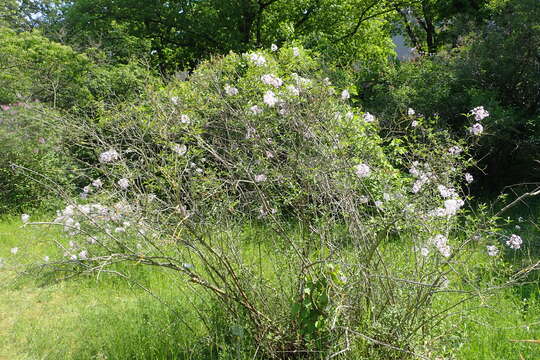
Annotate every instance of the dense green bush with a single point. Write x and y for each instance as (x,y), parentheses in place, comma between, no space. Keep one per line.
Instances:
(33,165)
(35,68)
(496,66)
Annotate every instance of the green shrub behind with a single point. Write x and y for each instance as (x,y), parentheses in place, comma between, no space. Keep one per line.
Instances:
(31,158)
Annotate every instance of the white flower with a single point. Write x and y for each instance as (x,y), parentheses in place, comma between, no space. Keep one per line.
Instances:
(270,98)
(25,218)
(417,186)
(123,183)
(362,170)
(230,90)
(414,124)
(349,115)
(514,242)
(424,251)
(119,230)
(411,112)
(363,199)
(83,255)
(345,94)
(492,250)
(174,100)
(255,109)
(452,206)
(274,47)
(270,79)
(441,243)
(455,150)
(97,183)
(293,90)
(446,192)
(469,178)
(14,250)
(73,257)
(283,109)
(87,189)
(258,59)
(46,258)
(477,129)
(260,178)
(296,51)
(379,204)
(108,156)
(368,117)
(180,149)
(184,119)
(479,113)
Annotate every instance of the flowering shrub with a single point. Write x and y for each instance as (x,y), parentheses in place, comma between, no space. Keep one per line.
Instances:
(265,139)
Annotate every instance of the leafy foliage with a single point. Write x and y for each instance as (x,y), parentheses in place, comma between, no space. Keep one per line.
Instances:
(32,164)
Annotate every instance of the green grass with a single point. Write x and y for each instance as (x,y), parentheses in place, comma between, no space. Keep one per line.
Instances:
(88,317)
(106,317)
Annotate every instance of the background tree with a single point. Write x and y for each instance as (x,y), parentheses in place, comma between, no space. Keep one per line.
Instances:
(179,33)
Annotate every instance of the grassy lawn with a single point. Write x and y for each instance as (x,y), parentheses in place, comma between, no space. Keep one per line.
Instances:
(107,318)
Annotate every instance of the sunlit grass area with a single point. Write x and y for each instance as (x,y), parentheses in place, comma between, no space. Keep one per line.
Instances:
(154,316)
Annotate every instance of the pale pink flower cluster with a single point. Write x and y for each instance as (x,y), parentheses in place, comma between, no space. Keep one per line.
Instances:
(492,250)
(257,59)
(184,119)
(274,47)
(97,183)
(469,178)
(441,243)
(270,98)
(230,90)
(446,192)
(479,113)
(270,79)
(514,242)
(345,94)
(362,170)
(95,214)
(109,156)
(123,183)
(256,110)
(410,112)
(179,149)
(476,129)
(293,90)
(455,150)
(423,175)
(260,178)
(368,117)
